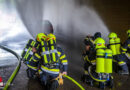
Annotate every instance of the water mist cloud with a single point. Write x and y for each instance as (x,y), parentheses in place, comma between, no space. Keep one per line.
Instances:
(67,16)
(71,19)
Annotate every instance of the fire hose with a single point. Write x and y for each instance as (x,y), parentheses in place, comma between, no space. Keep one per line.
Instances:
(75,82)
(11,78)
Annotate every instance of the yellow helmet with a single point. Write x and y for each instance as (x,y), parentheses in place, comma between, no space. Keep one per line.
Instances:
(128,32)
(40,36)
(112,35)
(100,43)
(50,37)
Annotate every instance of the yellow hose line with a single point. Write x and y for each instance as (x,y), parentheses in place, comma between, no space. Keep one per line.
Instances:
(68,77)
(97,79)
(94,77)
(12,77)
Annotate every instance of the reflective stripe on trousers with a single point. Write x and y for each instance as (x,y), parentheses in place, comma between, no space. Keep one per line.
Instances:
(34,68)
(52,71)
(121,63)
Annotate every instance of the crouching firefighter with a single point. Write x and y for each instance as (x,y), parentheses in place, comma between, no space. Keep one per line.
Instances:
(103,62)
(118,58)
(90,52)
(53,63)
(31,55)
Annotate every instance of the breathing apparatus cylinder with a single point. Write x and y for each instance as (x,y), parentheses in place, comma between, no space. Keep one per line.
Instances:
(100,61)
(118,46)
(108,61)
(113,46)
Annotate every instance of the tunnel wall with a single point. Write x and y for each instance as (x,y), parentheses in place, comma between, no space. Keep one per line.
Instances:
(115,14)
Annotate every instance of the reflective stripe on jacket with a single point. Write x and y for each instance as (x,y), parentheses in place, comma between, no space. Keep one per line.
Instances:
(62,60)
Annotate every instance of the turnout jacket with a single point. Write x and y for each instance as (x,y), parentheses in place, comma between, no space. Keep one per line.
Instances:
(60,64)
(126,46)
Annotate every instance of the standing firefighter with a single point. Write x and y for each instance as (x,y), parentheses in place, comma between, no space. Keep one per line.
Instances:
(31,55)
(53,62)
(115,46)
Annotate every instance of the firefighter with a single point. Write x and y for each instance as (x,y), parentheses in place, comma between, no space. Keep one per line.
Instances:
(126,48)
(53,63)
(90,54)
(32,56)
(115,46)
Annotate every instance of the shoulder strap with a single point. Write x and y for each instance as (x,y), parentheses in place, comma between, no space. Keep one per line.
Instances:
(45,52)
(53,51)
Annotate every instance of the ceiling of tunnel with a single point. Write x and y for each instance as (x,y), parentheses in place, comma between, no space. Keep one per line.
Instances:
(115,14)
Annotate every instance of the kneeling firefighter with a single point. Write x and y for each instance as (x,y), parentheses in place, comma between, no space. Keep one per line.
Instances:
(90,52)
(54,62)
(103,61)
(31,55)
(115,46)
